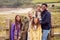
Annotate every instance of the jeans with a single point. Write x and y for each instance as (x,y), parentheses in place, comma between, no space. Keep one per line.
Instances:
(45,34)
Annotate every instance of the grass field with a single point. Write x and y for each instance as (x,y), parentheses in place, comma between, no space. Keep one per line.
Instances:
(55,21)
(55,17)
(36,1)
(4,17)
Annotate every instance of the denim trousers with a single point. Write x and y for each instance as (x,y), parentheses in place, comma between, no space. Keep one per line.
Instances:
(45,34)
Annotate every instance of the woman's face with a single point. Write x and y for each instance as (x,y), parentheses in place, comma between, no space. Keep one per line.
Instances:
(18,18)
(30,16)
(35,20)
(38,9)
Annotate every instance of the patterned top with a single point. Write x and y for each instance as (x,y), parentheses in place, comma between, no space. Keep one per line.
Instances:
(17,32)
(35,34)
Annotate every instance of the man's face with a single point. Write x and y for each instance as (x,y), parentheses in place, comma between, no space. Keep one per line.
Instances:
(44,7)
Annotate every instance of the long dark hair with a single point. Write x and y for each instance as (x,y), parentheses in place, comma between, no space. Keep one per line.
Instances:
(16,21)
(33,23)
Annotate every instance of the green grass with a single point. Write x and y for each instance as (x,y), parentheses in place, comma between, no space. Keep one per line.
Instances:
(56,38)
(11,2)
(55,18)
(36,1)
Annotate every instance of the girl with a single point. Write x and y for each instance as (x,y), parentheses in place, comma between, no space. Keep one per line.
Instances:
(35,30)
(16,29)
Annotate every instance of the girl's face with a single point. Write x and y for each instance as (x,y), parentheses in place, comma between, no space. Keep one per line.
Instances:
(18,18)
(35,20)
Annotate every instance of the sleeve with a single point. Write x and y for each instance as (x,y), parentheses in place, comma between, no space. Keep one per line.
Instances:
(12,32)
(46,19)
(30,35)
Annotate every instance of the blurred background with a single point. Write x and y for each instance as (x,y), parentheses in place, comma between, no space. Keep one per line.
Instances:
(10,8)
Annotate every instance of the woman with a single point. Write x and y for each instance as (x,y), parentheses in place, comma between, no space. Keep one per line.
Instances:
(16,29)
(35,30)
(37,12)
(30,20)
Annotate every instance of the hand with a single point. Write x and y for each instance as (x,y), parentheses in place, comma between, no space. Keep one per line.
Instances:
(19,38)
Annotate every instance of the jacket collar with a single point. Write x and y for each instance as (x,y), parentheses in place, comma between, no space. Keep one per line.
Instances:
(45,10)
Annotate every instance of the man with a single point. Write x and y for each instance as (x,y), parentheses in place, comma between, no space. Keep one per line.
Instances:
(46,21)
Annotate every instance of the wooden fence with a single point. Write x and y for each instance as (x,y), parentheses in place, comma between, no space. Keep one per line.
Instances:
(50,37)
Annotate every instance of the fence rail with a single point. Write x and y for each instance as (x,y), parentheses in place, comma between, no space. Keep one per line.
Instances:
(50,37)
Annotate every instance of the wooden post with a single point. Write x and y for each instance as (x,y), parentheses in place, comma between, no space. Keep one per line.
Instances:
(8,25)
